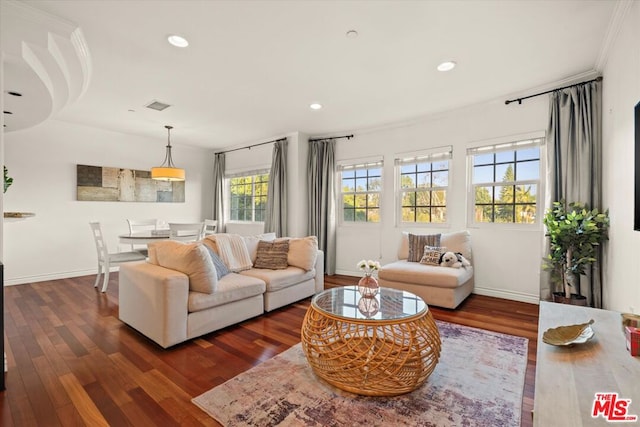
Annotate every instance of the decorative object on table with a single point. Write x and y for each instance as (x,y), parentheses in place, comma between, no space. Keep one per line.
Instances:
(569,335)
(632,337)
(368,285)
(19,215)
(453,259)
(167,171)
(463,390)
(107,184)
(7,180)
(368,306)
(630,319)
(574,232)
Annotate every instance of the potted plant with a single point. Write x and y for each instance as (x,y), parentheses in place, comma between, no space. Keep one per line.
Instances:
(7,180)
(574,232)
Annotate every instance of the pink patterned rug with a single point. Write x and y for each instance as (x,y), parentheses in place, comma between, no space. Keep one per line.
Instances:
(478,381)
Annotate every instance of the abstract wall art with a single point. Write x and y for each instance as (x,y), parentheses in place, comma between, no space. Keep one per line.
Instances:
(105,184)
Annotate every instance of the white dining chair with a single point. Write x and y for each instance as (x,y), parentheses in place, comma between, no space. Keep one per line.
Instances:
(107,260)
(210,226)
(186,232)
(141,225)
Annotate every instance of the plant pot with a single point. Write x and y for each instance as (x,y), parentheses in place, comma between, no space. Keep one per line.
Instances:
(576,299)
(559,297)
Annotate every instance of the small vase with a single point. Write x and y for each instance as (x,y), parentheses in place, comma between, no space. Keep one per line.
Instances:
(368,286)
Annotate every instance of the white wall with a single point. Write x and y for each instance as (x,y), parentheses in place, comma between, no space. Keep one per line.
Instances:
(507,261)
(57,242)
(621,92)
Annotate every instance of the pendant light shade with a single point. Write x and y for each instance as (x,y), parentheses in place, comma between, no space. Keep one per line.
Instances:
(167,171)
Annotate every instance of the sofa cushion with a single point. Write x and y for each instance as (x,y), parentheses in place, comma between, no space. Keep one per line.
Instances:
(417,242)
(280,279)
(429,275)
(303,252)
(191,259)
(459,241)
(431,255)
(272,255)
(233,287)
(251,242)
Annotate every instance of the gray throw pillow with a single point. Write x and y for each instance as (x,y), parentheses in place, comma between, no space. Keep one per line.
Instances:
(221,268)
(417,242)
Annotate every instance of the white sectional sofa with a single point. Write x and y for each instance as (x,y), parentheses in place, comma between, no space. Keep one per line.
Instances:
(176,295)
(440,286)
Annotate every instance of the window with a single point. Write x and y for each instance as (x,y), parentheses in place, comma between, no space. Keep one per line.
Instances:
(423,184)
(361,185)
(505,182)
(248,196)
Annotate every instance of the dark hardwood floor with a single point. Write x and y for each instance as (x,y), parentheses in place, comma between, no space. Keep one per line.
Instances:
(72,362)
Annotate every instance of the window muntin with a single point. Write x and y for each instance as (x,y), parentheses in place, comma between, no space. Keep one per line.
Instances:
(360,192)
(505,182)
(423,188)
(248,196)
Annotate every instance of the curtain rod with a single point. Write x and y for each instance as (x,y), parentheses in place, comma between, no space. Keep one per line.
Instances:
(509,101)
(331,137)
(248,147)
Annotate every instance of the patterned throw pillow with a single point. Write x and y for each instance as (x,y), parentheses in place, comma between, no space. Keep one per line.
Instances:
(221,268)
(417,242)
(432,254)
(272,255)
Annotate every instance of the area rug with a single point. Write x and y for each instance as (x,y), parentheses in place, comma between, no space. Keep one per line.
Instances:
(478,381)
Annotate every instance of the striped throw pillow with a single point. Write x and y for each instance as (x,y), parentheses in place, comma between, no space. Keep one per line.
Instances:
(417,242)
(272,255)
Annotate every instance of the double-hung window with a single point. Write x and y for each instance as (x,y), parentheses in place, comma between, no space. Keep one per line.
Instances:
(248,196)
(505,182)
(423,183)
(360,187)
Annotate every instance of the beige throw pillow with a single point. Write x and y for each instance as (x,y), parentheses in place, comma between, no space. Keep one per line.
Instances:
(272,255)
(431,255)
(303,252)
(191,259)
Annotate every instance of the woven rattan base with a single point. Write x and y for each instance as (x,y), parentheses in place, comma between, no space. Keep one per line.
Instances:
(371,357)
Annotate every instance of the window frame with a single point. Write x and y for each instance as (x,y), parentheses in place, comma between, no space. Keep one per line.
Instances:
(501,145)
(354,165)
(229,196)
(437,154)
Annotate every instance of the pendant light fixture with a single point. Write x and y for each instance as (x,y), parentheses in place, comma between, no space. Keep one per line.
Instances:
(168,171)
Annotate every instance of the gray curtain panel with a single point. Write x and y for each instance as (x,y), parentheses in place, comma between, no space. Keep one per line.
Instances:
(322,211)
(574,159)
(218,191)
(276,214)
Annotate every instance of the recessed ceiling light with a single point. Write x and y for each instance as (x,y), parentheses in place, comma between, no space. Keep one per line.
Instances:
(447,66)
(7,112)
(352,34)
(178,41)
(14,93)
(315,106)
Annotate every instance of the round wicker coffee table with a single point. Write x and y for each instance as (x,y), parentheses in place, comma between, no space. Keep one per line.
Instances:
(376,346)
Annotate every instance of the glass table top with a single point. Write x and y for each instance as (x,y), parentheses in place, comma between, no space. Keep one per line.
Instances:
(388,304)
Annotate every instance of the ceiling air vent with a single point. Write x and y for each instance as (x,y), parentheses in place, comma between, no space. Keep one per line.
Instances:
(156,105)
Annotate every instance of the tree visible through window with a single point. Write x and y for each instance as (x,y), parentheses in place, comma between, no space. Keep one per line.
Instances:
(361,186)
(248,197)
(423,190)
(505,182)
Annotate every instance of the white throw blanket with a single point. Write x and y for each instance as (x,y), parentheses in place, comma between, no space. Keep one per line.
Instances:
(233,251)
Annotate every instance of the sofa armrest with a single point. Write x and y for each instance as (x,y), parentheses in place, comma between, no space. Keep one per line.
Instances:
(319,267)
(153,300)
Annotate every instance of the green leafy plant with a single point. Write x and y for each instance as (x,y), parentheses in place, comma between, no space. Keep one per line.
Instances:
(7,179)
(575,232)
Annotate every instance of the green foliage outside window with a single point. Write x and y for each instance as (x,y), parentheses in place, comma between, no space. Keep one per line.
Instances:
(248,197)
(361,194)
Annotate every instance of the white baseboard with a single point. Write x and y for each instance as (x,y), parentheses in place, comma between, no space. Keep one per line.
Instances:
(506,294)
(51,276)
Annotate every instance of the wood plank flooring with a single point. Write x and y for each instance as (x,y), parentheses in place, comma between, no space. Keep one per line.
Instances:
(73,363)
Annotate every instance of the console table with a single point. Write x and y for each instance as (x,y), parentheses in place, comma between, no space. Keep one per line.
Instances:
(567,378)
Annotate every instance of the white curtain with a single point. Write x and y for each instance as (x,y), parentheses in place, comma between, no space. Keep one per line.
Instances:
(322,215)
(276,213)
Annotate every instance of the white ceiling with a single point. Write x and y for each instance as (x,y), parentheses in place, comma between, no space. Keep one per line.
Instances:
(253,67)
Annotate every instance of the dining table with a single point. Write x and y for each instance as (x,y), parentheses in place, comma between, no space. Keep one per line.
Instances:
(144,237)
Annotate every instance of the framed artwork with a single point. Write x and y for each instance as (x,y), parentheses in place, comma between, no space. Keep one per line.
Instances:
(106,184)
